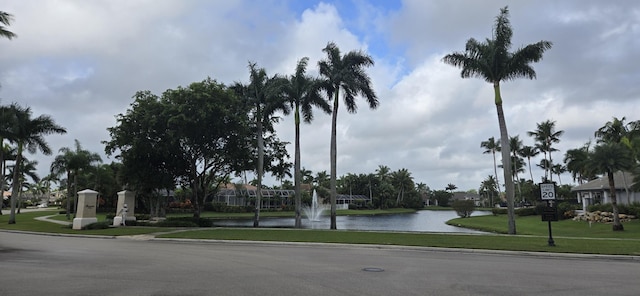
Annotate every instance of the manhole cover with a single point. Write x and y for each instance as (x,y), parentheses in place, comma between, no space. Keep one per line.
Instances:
(373,269)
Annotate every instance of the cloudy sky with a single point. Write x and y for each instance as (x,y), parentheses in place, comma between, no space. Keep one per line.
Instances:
(82,61)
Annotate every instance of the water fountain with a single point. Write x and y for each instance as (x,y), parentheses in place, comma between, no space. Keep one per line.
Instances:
(314,212)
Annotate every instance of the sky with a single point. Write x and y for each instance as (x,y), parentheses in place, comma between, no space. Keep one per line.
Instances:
(82,61)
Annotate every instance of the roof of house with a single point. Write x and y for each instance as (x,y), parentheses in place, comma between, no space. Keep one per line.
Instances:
(602,183)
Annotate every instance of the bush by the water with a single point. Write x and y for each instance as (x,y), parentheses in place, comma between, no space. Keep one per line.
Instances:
(499,211)
(185,222)
(464,208)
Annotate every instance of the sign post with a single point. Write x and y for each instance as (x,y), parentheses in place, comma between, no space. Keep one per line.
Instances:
(550,212)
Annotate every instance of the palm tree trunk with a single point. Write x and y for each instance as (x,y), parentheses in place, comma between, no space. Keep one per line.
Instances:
(506,160)
(296,167)
(530,171)
(495,172)
(333,155)
(16,184)
(550,163)
(617,226)
(256,218)
(68,195)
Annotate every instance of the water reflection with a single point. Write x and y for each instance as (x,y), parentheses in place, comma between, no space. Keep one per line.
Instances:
(421,221)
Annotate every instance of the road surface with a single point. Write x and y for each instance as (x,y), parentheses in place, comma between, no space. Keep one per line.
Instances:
(62,265)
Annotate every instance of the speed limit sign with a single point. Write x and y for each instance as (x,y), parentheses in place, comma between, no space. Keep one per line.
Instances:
(547,191)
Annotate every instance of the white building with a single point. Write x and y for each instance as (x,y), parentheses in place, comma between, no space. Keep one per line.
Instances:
(597,191)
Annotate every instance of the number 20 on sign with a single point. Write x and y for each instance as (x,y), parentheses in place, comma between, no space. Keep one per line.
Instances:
(547,191)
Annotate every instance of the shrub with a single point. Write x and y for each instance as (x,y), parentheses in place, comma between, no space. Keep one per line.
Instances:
(98,225)
(526,212)
(499,211)
(464,208)
(567,210)
(176,223)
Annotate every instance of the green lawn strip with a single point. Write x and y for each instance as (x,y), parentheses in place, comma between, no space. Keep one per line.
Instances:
(532,225)
(490,242)
(26,222)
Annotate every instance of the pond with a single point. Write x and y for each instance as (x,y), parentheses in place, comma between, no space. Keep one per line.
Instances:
(420,221)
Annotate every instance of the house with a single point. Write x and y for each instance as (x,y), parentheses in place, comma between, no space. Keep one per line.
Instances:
(240,194)
(597,191)
(467,196)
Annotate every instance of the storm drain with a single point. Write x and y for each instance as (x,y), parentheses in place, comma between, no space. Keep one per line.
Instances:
(373,269)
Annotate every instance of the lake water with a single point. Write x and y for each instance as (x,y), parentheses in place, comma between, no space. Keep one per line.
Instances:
(420,221)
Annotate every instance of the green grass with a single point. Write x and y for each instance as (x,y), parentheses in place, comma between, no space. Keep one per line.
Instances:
(570,236)
(27,222)
(490,242)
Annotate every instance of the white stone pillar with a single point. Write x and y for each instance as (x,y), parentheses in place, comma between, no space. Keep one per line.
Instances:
(86,209)
(128,198)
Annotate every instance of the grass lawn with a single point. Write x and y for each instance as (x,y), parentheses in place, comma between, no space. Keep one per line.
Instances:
(570,236)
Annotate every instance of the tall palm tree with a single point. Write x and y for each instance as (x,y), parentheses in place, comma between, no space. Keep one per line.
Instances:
(488,187)
(261,94)
(529,152)
(6,19)
(28,133)
(546,134)
(492,146)
(27,169)
(303,93)
(608,158)
(492,61)
(347,73)
(71,162)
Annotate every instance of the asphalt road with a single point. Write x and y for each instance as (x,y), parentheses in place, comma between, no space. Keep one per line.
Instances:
(62,265)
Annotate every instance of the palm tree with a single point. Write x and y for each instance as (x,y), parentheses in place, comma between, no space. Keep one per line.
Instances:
(546,135)
(346,72)
(607,158)
(559,169)
(401,180)
(488,187)
(492,61)
(616,131)
(6,19)
(27,169)
(302,92)
(28,133)
(492,146)
(451,187)
(576,161)
(529,152)
(307,176)
(262,95)
(72,162)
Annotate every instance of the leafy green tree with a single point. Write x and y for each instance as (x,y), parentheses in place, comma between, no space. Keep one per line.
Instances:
(72,162)
(607,158)
(151,158)
(492,61)
(28,134)
(347,73)
(546,134)
(464,208)
(196,135)
(303,93)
